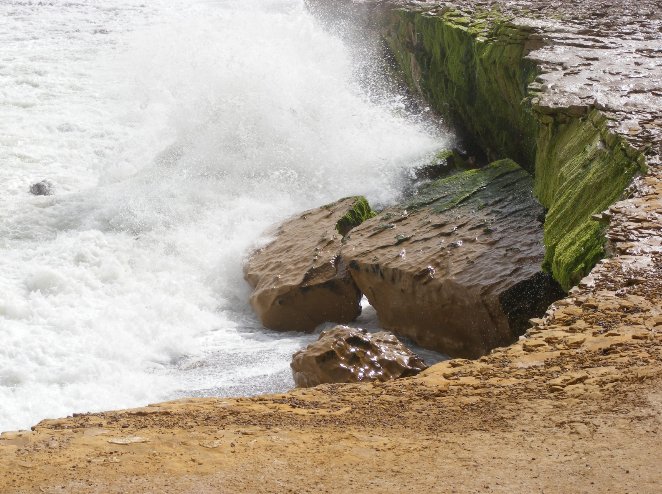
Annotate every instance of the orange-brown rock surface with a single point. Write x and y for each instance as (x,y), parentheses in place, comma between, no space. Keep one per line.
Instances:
(345,355)
(299,280)
(457,268)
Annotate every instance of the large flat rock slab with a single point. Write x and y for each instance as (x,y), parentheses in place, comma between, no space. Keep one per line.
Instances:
(458,268)
(299,279)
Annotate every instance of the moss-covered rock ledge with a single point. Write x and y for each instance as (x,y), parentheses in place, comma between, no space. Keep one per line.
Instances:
(526,82)
(477,71)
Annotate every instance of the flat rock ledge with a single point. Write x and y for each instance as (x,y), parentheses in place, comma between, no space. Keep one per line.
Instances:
(346,355)
(299,280)
(457,269)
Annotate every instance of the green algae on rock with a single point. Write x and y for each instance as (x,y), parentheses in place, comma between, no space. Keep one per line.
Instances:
(359,212)
(444,163)
(475,71)
(581,169)
(448,192)
(471,71)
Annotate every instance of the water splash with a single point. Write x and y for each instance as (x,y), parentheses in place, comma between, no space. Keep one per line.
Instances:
(175,134)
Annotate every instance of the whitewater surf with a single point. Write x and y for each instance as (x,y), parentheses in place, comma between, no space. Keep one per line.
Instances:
(174,134)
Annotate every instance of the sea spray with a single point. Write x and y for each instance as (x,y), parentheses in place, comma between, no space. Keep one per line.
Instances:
(175,134)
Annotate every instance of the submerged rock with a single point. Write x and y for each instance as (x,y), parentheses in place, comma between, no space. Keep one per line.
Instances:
(299,279)
(458,268)
(43,188)
(343,355)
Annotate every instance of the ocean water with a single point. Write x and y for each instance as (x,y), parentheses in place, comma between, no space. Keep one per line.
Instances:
(174,133)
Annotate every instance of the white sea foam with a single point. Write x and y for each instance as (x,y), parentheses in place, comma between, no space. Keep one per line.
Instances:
(174,133)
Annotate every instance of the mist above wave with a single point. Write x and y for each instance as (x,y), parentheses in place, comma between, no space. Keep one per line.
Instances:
(198,126)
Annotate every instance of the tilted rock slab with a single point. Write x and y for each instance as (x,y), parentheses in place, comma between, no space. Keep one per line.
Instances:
(458,268)
(299,279)
(344,355)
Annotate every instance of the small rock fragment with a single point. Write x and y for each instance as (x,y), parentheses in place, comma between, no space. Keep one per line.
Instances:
(344,354)
(43,188)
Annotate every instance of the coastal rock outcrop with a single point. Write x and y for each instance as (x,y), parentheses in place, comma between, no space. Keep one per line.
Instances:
(299,279)
(581,119)
(585,381)
(457,268)
(343,355)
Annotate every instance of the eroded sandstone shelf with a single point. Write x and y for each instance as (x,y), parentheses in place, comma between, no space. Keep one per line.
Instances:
(571,94)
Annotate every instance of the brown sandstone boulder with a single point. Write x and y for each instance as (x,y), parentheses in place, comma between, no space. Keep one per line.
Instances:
(344,355)
(458,268)
(299,279)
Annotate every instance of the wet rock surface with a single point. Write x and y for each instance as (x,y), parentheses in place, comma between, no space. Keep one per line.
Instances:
(458,268)
(299,279)
(570,90)
(593,53)
(43,188)
(346,355)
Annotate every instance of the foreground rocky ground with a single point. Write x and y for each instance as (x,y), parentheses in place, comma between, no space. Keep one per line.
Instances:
(575,406)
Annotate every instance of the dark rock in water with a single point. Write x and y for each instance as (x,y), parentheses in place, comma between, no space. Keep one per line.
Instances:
(299,279)
(43,188)
(446,162)
(457,268)
(344,355)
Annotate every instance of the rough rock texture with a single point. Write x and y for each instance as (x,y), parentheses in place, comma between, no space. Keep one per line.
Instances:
(578,87)
(349,355)
(299,280)
(575,406)
(498,77)
(443,55)
(457,268)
